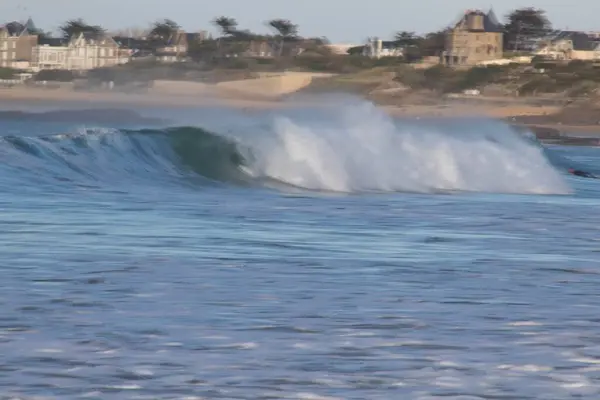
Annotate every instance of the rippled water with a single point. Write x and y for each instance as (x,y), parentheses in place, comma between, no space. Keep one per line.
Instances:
(123,286)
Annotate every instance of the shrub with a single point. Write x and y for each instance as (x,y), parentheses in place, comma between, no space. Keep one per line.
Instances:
(56,75)
(8,73)
(410,77)
(542,84)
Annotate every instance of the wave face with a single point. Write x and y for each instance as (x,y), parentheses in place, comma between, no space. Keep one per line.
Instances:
(355,149)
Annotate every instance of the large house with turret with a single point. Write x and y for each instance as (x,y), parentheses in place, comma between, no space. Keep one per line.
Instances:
(477,37)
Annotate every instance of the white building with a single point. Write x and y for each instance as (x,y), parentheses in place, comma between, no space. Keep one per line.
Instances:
(49,54)
(83,52)
(377,48)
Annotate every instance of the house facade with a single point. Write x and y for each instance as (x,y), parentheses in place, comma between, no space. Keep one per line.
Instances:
(89,51)
(16,45)
(476,38)
(82,52)
(50,54)
(377,48)
(174,49)
(570,45)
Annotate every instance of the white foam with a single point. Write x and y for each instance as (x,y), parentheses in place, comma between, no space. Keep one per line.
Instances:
(362,149)
(313,396)
(50,351)
(586,360)
(526,368)
(524,323)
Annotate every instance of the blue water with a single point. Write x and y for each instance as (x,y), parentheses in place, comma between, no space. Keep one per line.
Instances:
(466,270)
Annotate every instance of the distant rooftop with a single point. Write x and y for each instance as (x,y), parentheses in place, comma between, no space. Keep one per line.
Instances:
(490,21)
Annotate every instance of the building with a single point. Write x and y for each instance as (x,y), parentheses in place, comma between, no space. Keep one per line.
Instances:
(341,49)
(570,45)
(477,37)
(50,53)
(377,48)
(16,45)
(174,49)
(84,51)
(88,51)
(131,48)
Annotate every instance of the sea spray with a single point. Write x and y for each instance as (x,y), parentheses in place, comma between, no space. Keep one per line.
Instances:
(360,148)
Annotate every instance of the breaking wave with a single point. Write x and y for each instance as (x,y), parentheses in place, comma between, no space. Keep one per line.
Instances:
(357,150)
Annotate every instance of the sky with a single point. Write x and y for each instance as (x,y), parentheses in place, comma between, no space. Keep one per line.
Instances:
(338,20)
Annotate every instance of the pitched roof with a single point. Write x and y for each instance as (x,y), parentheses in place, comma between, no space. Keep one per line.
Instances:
(133,43)
(30,26)
(50,41)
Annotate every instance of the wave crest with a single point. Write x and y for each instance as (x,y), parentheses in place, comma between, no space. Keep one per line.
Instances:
(358,150)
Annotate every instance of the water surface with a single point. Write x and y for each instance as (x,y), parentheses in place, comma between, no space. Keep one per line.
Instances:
(328,256)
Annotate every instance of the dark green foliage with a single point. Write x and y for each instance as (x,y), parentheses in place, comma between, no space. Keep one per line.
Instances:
(164,29)
(523,24)
(55,75)
(8,73)
(77,26)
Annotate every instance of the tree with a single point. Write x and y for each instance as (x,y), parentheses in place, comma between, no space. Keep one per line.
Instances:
(525,23)
(203,50)
(228,26)
(164,29)
(407,39)
(76,26)
(285,29)
(410,44)
(433,44)
(15,27)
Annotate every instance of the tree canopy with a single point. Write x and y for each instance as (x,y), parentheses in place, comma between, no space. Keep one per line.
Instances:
(164,29)
(407,39)
(525,23)
(76,26)
(284,28)
(528,21)
(227,25)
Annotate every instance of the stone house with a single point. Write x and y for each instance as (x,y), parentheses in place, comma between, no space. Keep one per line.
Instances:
(16,44)
(477,37)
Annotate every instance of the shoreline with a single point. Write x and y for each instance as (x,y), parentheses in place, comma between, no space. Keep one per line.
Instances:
(544,123)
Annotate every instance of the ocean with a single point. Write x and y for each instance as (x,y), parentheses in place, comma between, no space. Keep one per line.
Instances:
(312,253)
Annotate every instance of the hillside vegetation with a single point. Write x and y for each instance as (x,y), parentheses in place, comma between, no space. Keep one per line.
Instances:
(362,75)
(574,79)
